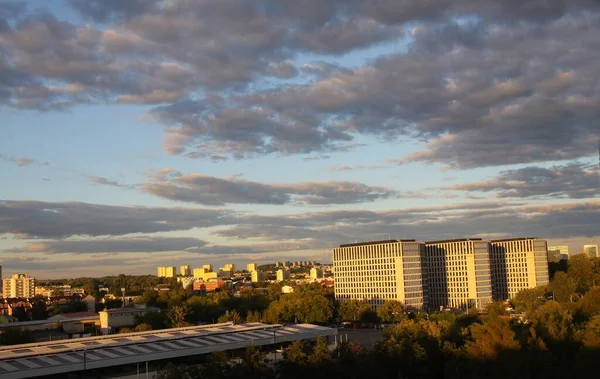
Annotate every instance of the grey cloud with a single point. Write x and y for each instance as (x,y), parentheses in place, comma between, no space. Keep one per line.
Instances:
(108,182)
(573,181)
(34,219)
(208,190)
(284,70)
(105,10)
(118,245)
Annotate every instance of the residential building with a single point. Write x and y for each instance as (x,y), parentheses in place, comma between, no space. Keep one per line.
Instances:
(113,319)
(18,285)
(591,251)
(518,264)
(316,273)
(227,271)
(458,273)
(564,250)
(251,267)
(203,274)
(166,272)
(208,268)
(283,274)
(185,270)
(185,281)
(379,271)
(209,286)
(554,256)
(257,276)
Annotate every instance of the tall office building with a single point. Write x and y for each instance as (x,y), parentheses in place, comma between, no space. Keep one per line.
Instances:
(19,285)
(518,264)
(185,270)
(166,272)
(208,268)
(564,250)
(458,273)
(591,251)
(379,271)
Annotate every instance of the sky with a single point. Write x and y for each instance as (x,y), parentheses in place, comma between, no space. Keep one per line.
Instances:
(141,133)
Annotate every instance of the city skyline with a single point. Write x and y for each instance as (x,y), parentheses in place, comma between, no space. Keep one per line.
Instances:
(150,133)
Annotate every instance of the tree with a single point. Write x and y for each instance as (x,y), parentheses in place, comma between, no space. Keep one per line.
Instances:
(234,317)
(581,270)
(38,310)
(253,316)
(321,355)
(156,320)
(353,310)
(489,339)
(529,299)
(553,322)
(495,309)
(177,315)
(392,311)
(589,304)
(562,287)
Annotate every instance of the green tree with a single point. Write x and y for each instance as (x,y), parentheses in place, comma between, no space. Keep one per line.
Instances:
(562,287)
(528,300)
(495,309)
(253,316)
(391,311)
(553,322)
(177,315)
(581,270)
(14,336)
(488,340)
(321,355)
(589,304)
(353,310)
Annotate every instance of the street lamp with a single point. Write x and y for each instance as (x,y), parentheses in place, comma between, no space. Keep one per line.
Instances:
(84,360)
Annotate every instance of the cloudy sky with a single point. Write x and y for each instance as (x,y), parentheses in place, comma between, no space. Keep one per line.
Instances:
(141,133)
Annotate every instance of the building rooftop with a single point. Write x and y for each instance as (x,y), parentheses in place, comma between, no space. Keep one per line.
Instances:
(453,240)
(375,242)
(63,356)
(515,239)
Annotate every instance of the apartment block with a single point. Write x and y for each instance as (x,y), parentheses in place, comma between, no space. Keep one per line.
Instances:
(283,274)
(564,250)
(204,274)
(316,273)
(381,270)
(166,272)
(257,276)
(18,285)
(458,273)
(517,264)
(251,267)
(185,270)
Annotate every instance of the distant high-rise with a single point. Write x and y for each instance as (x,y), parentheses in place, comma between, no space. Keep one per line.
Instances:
(379,271)
(518,264)
(316,273)
(166,271)
(257,276)
(283,274)
(185,270)
(591,251)
(1,279)
(564,250)
(251,267)
(19,285)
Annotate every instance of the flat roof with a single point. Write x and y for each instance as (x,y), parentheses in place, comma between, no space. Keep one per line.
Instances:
(453,240)
(63,356)
(375,242)
(515,239)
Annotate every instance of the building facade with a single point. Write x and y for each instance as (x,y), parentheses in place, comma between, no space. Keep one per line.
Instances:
(591,251)
(257,276)
(251,267)
(380,271)
(283,274)
(166,272)
(458,273)
(564,250)
(18,285)
(316,273)
(185,270)
(518,264)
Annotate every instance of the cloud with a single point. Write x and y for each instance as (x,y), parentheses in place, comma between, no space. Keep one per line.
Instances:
(21,161)
(574,180)
(108,182)
(209,190)
(484,83)
(116,245)
(36,219)
(357,167)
